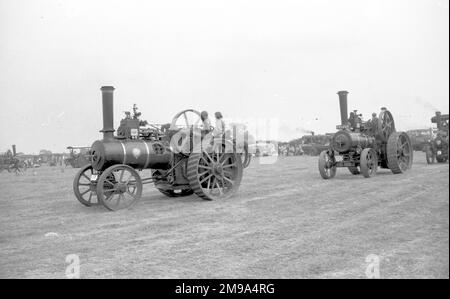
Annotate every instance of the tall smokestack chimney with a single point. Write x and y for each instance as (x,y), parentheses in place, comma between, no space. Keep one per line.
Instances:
(108,112)
(344,106)
(437,118)
(14,150)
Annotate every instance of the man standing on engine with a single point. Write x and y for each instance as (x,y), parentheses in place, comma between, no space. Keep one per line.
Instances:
(219,129)
(374,123)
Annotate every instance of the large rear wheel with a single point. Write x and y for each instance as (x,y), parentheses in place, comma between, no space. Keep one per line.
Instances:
(386,125)
(214,175)
(399,152)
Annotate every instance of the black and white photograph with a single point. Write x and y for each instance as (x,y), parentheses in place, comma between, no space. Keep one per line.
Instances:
(224,146)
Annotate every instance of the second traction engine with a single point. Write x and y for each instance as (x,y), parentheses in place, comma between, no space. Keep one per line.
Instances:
(182,159)
(437,149)
(362,147)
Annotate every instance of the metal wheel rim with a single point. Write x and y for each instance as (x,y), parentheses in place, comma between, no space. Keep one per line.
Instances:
(215,172)
(183,113)
(386,125)
(370,160)
(328,167)
(88,191)
(404,152)
(218,173)
(120,187)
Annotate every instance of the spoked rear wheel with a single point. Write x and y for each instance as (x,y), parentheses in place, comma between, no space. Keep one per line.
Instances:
(399,152)
(369,162)
(214,175)
(85,189)
(119,187)
(386,125)
(327,167)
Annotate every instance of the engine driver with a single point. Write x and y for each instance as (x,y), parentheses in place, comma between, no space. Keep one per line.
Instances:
(206,123)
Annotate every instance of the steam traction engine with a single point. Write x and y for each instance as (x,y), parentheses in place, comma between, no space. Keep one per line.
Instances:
(181,159)
(437,149)
(11,162)
(362,147)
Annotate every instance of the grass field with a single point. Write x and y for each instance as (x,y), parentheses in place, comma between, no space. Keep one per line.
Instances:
(286,222)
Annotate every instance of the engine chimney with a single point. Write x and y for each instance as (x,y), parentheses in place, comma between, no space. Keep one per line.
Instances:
(344,106)
(108,112)
(14,150)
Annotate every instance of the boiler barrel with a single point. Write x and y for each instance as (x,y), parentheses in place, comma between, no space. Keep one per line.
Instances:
(344,141)
(138,154)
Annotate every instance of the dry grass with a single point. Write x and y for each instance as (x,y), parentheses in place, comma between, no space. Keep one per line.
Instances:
(286,222)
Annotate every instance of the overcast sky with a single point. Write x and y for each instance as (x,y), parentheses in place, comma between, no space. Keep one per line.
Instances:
(248,59)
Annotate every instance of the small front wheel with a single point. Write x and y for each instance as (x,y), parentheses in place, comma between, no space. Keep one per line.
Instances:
(84,186)
(119,187)
(369,162)
(327,165)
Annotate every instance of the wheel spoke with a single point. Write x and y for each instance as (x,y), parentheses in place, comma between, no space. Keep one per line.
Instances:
(186,119)
(107,198)
(228,173)
(218,186)
(109,182)
(207,155)
(224,155)
(204,180)
(229,165)
(228,180)
(202,174)
(213,183)
(209,183)
(205,167)
(120,197)
(131,194)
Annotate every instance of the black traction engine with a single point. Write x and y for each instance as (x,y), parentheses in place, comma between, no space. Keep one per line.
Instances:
(363,147)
